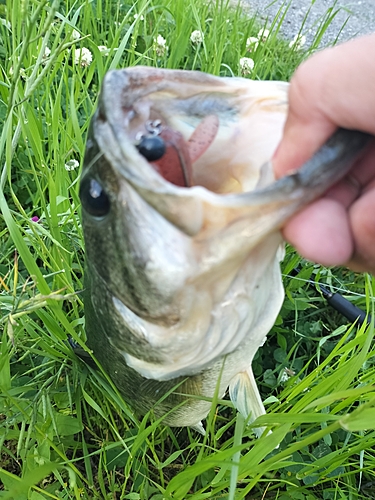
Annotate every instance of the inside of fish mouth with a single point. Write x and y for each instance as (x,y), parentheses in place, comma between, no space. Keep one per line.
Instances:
(170,153)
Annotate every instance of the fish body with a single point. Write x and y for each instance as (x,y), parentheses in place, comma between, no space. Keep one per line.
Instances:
(181,219)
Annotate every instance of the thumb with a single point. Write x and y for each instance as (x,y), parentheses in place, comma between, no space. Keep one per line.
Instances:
(307,127)
(330,89)
(299,142)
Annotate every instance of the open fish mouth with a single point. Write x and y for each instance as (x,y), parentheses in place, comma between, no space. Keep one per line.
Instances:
(181,219)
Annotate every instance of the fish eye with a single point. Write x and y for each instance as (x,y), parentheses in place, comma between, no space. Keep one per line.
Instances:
(93,198)
(152,148)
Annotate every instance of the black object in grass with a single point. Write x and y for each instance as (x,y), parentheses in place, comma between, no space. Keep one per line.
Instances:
(340,303)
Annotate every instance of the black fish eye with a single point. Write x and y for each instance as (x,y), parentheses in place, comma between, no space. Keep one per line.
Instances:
(94,199)
(151,147)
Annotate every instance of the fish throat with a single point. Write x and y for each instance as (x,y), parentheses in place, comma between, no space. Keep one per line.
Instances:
(169,153)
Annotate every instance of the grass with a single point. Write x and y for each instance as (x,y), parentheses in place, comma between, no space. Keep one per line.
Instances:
(65,431)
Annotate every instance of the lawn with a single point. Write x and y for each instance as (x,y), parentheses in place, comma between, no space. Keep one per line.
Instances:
(66,432)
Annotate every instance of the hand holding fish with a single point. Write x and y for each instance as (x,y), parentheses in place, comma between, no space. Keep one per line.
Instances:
(333,89)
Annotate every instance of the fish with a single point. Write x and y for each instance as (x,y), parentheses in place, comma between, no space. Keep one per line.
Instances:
(181,218)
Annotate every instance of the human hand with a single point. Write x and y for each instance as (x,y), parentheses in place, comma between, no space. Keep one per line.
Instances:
(334,88)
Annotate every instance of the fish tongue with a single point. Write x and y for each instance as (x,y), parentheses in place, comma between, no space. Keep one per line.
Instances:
(203,136)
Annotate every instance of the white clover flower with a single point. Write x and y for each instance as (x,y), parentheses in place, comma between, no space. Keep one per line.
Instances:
(76,35)
(140,17)
(23,74)
(83,57)
(160,40)
(47,53)
(103,50)
(160,46)
(298,41)
(263,34)
(197,36)
(246,65)
(71,165)
(252,44)
(285,375)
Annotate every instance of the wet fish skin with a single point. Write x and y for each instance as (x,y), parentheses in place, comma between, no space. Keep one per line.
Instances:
(183,284)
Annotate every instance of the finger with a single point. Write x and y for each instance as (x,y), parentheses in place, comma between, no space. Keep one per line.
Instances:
(306,127)
(330,89)
(321,233)
(362,220)
(326,231)
(299,143)
(361,175)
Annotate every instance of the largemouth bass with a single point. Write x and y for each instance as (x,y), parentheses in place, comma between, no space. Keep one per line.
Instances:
(181,219)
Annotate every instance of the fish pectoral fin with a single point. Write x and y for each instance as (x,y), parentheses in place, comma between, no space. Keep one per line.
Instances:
(199,428)
(244,394)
